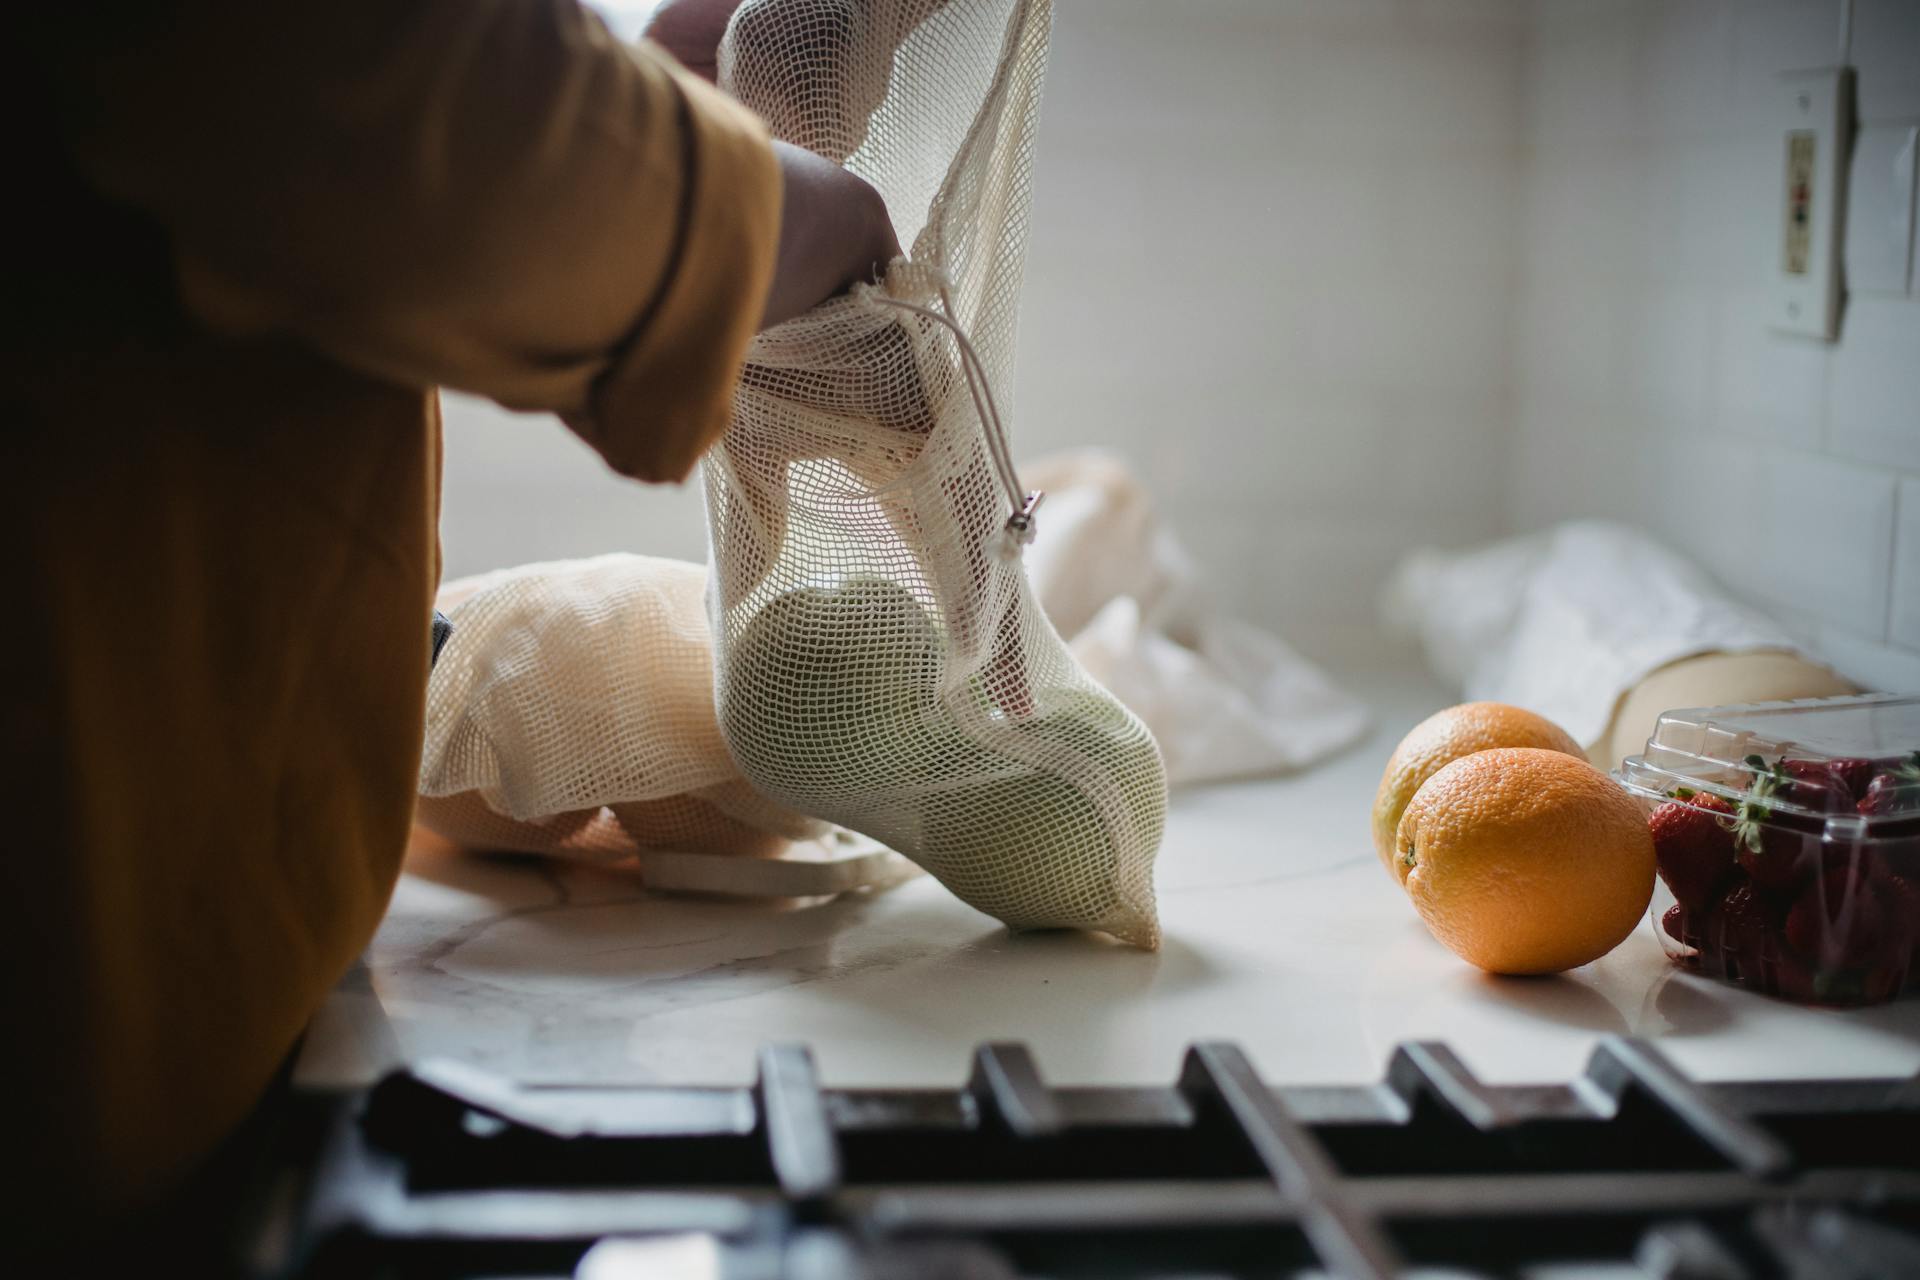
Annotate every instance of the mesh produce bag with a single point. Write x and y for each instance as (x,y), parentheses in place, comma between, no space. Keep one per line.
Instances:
(571,714)
(880,659)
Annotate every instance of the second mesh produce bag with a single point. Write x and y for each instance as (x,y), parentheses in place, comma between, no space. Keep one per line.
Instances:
(880,658)
(570,715)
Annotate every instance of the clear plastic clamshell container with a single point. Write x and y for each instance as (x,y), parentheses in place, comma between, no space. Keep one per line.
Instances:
(1788,839)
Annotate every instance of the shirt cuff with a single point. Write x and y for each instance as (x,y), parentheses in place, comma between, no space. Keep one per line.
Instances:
(667,393)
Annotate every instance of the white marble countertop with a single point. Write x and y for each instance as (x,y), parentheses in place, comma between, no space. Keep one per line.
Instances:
(1282,933)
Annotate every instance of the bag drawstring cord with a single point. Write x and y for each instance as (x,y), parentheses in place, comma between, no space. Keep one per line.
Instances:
(1023,501)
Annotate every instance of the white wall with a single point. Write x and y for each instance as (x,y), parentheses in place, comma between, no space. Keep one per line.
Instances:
(1647,385)
(1346,276)
(1271,263)
(520,487)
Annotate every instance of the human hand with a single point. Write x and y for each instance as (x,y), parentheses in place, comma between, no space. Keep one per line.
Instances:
(690,30)
(834,232)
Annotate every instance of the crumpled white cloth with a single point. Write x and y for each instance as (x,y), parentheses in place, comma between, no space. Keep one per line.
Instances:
(1564,622)
(1226,699)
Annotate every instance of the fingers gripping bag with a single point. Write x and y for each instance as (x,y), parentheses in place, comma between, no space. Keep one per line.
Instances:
(880,659)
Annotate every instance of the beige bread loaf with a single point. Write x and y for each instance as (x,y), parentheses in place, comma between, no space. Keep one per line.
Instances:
(1710,680)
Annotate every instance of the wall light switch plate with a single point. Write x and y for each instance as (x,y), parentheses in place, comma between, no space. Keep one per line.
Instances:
(1813,139)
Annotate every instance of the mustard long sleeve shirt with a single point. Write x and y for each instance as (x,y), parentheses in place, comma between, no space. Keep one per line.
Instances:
(257,238)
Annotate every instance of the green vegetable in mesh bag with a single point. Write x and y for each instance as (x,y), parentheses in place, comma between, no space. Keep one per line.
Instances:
(833,696)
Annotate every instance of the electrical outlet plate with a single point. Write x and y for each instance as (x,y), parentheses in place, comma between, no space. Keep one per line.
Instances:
(1811,190)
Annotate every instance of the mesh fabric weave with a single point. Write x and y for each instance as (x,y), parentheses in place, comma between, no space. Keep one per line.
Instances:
(880,659)
(571,713)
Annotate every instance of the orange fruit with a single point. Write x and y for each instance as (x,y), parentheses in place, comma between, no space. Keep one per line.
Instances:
(1522,860)
(1444,737)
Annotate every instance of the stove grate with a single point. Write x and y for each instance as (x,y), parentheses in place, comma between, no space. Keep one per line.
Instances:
(1631,1169)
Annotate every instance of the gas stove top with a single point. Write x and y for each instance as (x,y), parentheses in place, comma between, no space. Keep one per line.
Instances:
(1630,1169)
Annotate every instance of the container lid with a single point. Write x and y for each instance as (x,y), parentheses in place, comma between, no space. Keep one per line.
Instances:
(1847,766)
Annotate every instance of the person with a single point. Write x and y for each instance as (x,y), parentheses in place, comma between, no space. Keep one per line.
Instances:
(256,239)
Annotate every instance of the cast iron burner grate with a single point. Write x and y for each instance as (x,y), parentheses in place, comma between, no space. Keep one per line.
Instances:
(1631,1169)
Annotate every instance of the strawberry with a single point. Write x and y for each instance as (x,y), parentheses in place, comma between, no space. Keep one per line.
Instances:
(1900,901)
(1677,926)
(1840,921)
(1813,784)
(1796,979)
(1856,864)
(1771,841)
(1883,982)
(1741,932)
(1901,858)
(1793,978)
(1852,772)
(1809,980)
(1893,764)
(1693,844)
(1894,790)
(1777,860)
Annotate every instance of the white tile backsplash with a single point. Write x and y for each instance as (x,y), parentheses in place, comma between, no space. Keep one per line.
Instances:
(1307,350)
(1568,341)
(1701,494)
(1871,665)
(520,487)
(1342,277)
(1874,408)
(1780,464)
(1684,69)
(1771,386)
(1671,353)
(1904,624)
(1589,95)
(1879,228)
(1886,53)
(1771,36)
(1818,535)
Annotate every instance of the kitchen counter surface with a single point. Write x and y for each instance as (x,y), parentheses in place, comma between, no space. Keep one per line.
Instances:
(1282,933)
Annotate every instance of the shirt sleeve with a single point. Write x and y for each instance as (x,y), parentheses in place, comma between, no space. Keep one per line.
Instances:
(492,195)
